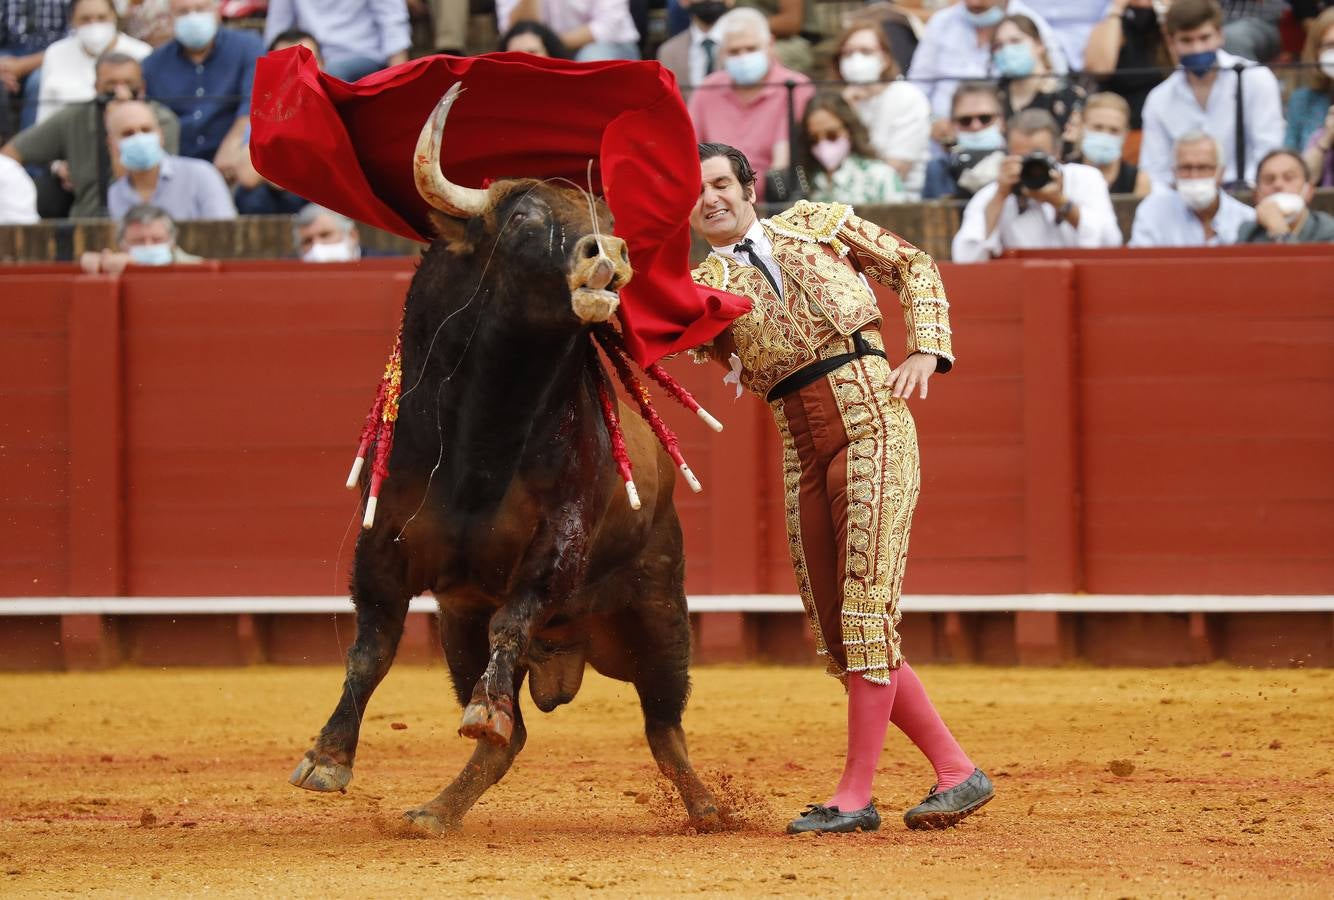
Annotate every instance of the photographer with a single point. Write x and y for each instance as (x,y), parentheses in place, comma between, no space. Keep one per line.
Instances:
(1037,201)
(978,148)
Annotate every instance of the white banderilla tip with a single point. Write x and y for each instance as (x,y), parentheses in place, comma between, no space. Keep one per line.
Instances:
(691,479)
(369,519)
(633,494)
(708,419)
(356,472)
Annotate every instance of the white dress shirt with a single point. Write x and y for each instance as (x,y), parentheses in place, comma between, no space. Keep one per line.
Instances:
(1073,21)
(18,195)
(1033,225)
(763,249)
(608,20)
(697,59)
(898,120)
(1163,219)
(69,74)
(1171,111)
(949,52)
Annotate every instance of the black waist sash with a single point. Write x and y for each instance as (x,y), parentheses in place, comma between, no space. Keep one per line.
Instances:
(817,370)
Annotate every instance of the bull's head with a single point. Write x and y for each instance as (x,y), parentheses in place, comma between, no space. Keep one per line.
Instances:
(548,233)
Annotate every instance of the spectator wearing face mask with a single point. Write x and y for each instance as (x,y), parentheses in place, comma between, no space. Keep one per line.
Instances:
(18,195)
(896,114)
(1310,104)
(73,144)
(745,105)
(1102,141)
(839,154)
(979,144)
(1128,53)
(1190,210)
(1202,96)
(204,74)
(321,235)
(957,44)
(1283,193)
(1018,56)
(696,53)
(68,67)
(146,236)
(185,188)
(1036,201)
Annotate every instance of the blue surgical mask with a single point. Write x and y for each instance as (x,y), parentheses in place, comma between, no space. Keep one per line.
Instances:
(196,30)
(141,152)
(1199,63)
(151,255)
(986,19)
(1014,61)
(1100,148)
(989,138)
(748,68)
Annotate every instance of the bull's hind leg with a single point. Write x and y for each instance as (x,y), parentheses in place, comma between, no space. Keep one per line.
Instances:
(464,637)
(661,642)
(381,600)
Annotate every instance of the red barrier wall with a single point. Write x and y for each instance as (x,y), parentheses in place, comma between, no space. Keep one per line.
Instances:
(1126,423)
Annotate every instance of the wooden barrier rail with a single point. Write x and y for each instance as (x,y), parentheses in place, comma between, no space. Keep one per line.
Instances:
(185,431)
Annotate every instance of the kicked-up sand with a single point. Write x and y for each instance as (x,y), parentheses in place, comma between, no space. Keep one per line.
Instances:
(1196,782)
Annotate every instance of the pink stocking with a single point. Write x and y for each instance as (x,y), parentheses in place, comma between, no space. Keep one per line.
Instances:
(917,718)
(869,707)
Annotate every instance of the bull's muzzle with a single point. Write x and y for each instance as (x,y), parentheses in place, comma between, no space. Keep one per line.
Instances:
(599,268)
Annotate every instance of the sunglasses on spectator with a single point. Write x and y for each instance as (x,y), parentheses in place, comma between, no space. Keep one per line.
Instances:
(967,121)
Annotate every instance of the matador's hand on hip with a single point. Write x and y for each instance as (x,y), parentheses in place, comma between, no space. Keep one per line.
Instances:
(911,374)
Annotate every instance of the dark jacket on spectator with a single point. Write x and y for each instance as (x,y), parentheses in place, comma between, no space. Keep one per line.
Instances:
(1317,229)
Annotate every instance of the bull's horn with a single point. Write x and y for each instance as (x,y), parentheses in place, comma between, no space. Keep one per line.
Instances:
(434,187)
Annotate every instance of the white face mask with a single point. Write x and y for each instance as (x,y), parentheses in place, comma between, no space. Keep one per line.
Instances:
(1291,205)
(1327,63)
(1199,193)
(339,251)
(861,68)
(95,37)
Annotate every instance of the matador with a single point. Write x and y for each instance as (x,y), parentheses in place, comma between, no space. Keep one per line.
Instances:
(811,347)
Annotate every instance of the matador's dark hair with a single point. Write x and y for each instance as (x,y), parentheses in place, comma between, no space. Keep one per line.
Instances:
(740,165)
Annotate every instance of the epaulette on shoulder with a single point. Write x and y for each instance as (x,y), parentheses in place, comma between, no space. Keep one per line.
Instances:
(711,273)
(816,222)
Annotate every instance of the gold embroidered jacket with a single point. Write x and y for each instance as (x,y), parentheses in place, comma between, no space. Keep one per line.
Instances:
(819,248)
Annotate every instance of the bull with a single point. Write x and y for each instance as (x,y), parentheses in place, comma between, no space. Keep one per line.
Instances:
(504,501)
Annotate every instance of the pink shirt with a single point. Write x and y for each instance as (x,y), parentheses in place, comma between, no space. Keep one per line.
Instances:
(752,125)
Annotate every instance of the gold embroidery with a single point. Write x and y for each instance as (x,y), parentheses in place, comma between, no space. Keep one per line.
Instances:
(883,482)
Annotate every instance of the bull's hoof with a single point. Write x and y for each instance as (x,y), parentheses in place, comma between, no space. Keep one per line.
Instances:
(321,774)
(708,821)
(429,821)
(483,722)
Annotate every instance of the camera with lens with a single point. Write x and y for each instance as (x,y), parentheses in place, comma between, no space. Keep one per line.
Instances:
(1036,171)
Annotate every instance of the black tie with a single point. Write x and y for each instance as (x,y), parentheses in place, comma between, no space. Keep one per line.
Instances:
(709,45)
(747,247)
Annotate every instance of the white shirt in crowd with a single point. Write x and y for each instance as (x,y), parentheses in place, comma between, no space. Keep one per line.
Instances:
(899,122)
(69,73)
(1032,225)
(1171,111)
(608,20)
(18,195)
(697,58)
(1163,219)
(949,52)
(1073,21)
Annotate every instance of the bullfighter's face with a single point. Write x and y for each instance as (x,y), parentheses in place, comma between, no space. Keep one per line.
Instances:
(725,210)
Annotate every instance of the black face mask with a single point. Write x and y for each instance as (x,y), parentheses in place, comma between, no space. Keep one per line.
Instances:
(708,11)
(1139,19)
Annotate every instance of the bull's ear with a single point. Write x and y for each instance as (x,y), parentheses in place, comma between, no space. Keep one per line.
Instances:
(451,231)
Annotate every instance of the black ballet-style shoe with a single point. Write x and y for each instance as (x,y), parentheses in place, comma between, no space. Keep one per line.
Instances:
(819,818)
(945,809)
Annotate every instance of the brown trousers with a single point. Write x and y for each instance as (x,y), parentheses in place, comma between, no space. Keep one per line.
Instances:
(851,480)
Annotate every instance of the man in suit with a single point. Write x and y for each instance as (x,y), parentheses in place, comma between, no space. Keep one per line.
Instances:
(695,52)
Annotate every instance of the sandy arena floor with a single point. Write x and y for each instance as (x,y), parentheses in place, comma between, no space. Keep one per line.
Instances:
(173,782)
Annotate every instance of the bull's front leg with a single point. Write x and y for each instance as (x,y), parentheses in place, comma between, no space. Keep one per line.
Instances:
(552,568)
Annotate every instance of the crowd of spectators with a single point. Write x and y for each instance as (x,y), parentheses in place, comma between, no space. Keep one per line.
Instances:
(1033,112)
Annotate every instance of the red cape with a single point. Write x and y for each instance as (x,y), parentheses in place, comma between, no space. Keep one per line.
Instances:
(349,147)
